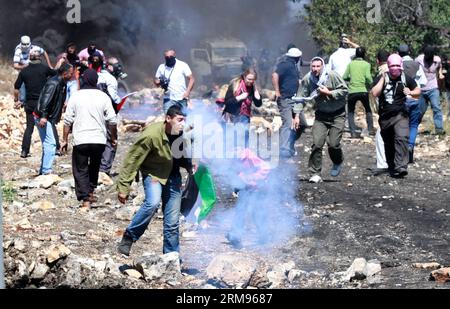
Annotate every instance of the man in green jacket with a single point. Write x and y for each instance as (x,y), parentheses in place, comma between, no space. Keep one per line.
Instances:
(327,92)
(158,155)
(360,79)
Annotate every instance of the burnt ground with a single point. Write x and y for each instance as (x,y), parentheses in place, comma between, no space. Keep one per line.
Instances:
(397,222)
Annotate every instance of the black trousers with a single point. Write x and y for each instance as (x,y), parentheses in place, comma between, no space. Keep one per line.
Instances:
(352,100)
(395,133)
(26,141)
(85,167)
(55,134)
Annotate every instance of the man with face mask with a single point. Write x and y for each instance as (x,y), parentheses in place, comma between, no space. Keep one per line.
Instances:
(327,92)
(88,52)
(286,81)
(34,77)
(392,89)
(157,155)
(171,76)
(22,59)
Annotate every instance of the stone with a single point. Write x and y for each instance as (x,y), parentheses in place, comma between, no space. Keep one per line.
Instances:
(57,252)
(232,270)
(133,273)
(276,278)
(72,278)
(23,224)
(372,268)
(39,271)
(19,245)
(126,213)
(294,274)
(43,205)
(165,268)
(430,266)
(105,179)
(356,270)
(47,181)
(441,275)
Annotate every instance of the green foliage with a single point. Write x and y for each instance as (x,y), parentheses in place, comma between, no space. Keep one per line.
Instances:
(8,192)
(328,19)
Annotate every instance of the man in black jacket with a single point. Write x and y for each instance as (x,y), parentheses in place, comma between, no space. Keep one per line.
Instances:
(48,113)
(34,78)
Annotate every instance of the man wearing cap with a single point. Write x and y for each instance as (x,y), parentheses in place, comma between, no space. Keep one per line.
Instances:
(22,58)
(33,77)
(392,89)
(415,71)
(286,81)
(327,92)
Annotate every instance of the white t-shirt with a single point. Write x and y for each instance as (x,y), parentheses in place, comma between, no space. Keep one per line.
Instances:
(88,111)
(23,57)
(340,60)
(104,77)
(177,76)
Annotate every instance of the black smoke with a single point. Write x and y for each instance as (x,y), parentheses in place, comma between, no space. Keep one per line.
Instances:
(138,31)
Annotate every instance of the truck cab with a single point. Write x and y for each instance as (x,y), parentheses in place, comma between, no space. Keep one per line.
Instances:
(218,61)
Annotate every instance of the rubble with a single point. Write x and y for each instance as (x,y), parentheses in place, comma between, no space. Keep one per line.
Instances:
(231,270)
(165,268)
(57,252)
(432,265)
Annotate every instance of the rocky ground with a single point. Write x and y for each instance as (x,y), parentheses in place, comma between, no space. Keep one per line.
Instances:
(357,231)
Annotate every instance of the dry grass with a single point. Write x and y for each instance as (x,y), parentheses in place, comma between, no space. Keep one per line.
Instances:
(7,78)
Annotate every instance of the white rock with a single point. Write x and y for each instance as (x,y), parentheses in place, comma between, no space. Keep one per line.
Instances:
(133,273)
(233,270)
(356,270)
(39,272)
(57,252)
(372,268)
(276,278)
(19,245)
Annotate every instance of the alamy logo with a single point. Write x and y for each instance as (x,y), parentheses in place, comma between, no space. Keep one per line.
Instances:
(374,13)
(74,14)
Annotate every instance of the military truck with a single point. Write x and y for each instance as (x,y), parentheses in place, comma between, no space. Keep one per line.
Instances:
(217,61)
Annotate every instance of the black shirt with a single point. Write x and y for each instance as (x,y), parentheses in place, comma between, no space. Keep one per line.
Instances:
(289,78)
(34,76)
(180,162)
(392,99)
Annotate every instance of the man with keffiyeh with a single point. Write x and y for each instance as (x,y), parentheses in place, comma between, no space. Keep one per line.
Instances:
(327,92)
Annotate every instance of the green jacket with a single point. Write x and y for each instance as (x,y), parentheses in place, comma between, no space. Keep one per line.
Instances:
(358,73)
(151,154)
(325,104)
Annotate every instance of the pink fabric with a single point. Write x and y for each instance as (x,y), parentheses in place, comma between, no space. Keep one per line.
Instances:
(246,106)
(255,169)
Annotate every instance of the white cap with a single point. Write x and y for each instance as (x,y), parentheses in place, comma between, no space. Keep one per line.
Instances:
(294,53)
(25,40)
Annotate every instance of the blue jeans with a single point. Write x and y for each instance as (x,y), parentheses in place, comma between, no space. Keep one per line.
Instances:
(22,93)
(432,97)
(171,202)
(415,117)
(169,103)
(48,147)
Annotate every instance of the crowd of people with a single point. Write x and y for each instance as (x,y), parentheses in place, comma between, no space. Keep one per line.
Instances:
(81,90)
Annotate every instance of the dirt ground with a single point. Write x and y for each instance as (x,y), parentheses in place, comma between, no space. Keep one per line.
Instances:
(357,215)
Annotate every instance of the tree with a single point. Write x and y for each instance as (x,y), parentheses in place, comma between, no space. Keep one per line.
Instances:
(415,22)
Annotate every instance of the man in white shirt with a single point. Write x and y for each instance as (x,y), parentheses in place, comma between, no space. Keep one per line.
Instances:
(171,76)
(88,113)
(341,58)
(22,58)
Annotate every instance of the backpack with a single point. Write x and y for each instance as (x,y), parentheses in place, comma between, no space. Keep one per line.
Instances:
(411,67)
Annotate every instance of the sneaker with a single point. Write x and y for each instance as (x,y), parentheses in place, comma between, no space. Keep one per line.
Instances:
(93,198)
(355,135)
(400,173)
(24,155)
(125,245)
(315,179)
(372,132)
(440,132)
(336,170)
